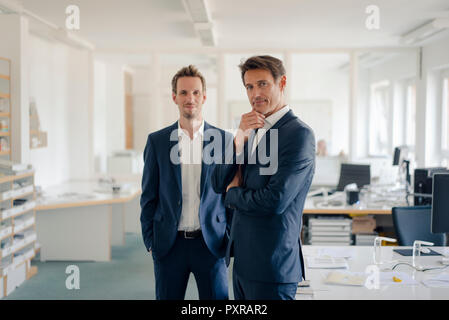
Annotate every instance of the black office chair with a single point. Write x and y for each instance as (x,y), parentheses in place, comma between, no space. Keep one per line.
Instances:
(413,223)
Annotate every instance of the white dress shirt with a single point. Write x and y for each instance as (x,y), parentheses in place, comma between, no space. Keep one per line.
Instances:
(191,151)
(269,122)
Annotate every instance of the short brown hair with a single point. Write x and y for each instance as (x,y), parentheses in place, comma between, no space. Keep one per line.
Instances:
(272,64)
(189,71)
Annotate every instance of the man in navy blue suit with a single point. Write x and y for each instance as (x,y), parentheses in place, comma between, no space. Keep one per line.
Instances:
(184,223)
(267,197)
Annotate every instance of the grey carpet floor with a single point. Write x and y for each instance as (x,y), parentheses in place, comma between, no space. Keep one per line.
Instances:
(129,276)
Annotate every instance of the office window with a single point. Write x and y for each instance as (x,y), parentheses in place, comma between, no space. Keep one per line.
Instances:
(379,119)
(410,113)
(445,113)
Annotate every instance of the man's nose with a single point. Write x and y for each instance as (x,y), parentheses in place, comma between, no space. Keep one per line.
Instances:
(257,92)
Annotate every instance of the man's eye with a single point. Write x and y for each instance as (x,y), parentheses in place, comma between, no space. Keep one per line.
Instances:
(263,84)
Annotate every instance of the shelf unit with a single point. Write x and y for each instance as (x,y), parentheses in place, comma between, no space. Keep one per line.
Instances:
(17,230)
(5,108)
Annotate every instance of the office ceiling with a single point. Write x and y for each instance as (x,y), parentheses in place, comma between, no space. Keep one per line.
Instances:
(142,25)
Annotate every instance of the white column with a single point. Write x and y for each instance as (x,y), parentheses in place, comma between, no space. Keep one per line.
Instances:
(90,117)
(223,112)
(289,71)
(420,137)
(155,114)
(353,78)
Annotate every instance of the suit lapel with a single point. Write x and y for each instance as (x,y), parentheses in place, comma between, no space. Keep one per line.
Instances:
(265,141)
(204,166)
(173,151)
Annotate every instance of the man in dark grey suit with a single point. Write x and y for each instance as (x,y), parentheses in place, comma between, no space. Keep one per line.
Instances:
(267,201)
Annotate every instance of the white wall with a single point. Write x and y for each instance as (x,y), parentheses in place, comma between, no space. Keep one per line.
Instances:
(435,58)
(59,84)
(317,77)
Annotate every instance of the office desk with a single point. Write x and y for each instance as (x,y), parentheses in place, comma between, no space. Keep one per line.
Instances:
(79,221)
(362,257)
(315,205)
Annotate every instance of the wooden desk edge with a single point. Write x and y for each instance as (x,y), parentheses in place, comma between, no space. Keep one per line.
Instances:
(346,211)
(86,203)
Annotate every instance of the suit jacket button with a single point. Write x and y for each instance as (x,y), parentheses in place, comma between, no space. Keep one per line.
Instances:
(179,203)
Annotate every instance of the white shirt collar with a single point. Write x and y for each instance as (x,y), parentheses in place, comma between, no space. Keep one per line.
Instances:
(200,131)
(275,117)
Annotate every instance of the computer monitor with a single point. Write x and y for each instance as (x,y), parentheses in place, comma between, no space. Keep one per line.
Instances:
(440,203)
(354,173)
(396,156)
(327,171)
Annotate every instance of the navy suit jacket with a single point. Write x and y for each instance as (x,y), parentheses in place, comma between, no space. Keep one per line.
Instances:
(267,219)
(161,199)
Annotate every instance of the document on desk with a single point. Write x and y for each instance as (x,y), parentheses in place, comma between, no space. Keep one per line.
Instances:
(336,252)
(439,281)
(326,262)
(346,278)
(396,278)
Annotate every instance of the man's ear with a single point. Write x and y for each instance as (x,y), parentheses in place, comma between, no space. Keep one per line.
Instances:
(283,82)
(173,95)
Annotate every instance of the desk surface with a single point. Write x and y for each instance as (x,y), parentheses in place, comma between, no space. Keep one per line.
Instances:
(318,205)
(84,193)
(363,257)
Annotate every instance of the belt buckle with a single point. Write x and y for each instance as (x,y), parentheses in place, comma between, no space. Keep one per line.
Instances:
(187,237)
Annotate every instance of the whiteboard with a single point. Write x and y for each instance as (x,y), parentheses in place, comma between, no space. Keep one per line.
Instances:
(317,114)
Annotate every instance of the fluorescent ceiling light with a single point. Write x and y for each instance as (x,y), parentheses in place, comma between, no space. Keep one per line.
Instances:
(197,10)
(206,33)
(8,6)
(72,39)
(425,31)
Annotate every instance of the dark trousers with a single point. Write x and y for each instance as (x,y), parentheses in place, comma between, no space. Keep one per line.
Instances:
(190,256)
(256,290)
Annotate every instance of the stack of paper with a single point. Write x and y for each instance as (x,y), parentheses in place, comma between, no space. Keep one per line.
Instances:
(12,168)
(439,281)
(326,262)
(365,239)
(330,231)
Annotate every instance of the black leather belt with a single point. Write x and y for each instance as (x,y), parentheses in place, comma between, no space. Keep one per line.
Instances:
(190,234)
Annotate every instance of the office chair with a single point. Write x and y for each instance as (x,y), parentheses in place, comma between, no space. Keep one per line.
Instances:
(413,223)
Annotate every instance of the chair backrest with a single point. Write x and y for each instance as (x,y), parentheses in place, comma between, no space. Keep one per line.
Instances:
(413,223)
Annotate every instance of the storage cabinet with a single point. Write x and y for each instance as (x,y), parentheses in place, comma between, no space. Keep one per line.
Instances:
(17,230)
(5,108)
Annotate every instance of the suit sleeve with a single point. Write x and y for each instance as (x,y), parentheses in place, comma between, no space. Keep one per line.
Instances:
(150,193)
(225,171)
(296,165)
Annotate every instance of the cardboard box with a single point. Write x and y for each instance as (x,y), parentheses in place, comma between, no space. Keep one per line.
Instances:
(363,224)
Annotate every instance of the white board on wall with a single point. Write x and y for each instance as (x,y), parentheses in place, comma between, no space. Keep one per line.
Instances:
(317,114)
